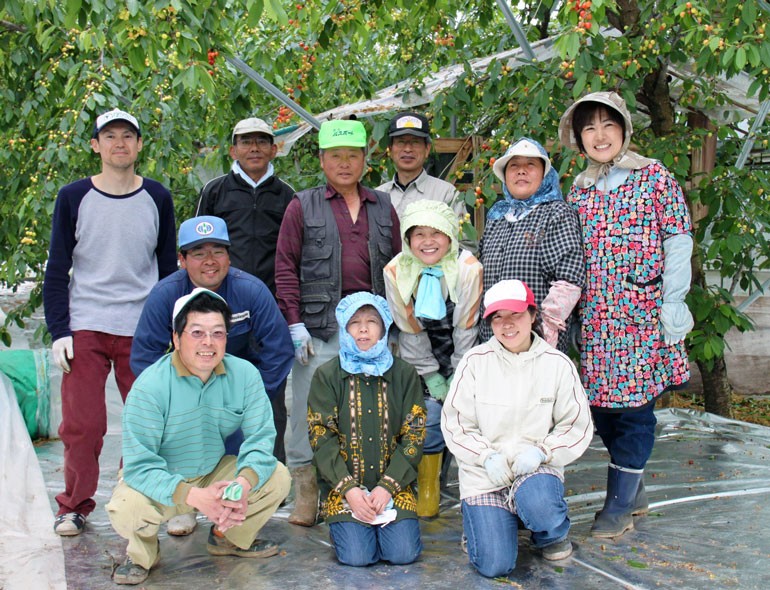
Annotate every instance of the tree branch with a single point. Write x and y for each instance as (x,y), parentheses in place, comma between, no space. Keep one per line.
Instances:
(9,26)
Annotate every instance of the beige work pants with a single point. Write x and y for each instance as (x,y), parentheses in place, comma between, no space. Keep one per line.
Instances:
(137,518)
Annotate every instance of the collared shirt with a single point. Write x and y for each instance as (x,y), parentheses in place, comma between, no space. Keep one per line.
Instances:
(424,186)
(175,425)
(354,237)
(252,183)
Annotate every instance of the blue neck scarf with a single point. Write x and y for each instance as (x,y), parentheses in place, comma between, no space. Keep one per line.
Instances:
(378,358)
(429,303)
(549,190)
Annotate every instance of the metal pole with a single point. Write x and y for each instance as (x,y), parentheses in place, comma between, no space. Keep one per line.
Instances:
(241,65)
(749,143)
(518,32)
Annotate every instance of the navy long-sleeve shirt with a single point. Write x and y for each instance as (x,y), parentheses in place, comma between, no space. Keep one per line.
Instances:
(258,334)
(117,247)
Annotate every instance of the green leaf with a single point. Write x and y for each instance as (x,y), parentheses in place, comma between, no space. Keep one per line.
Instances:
(275,11)
(254,12)
(637,564)
(72,12)
(749,13)
(740,58)
(580,84)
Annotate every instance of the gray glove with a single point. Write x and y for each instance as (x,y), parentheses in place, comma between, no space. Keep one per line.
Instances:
(498,471)
(675,317)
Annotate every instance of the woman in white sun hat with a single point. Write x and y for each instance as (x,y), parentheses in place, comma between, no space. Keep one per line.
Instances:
(533,235)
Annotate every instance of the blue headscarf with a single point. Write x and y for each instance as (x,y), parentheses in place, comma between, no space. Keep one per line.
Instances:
(549,190)
(378,358)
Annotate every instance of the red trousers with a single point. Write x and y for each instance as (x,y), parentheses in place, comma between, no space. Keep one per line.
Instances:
(84,412)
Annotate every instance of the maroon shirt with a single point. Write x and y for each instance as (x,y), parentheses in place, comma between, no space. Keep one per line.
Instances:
(356,270)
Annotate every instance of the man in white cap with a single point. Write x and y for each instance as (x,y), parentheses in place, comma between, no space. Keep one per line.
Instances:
(175,423)
(251,199)
(258,331)
(115,232)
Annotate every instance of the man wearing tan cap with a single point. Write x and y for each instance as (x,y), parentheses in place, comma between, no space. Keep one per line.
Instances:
(251,199)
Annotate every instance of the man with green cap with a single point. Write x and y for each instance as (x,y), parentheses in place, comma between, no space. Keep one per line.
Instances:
(335,240)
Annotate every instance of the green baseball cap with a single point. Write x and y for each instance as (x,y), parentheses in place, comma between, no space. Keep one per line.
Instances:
(342,133)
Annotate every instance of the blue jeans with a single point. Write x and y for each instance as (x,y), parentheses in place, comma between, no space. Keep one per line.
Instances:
(628,436)
(361,544)
(434,439)
(492,532)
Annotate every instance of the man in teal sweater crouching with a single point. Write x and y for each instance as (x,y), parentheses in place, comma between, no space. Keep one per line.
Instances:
(177,416)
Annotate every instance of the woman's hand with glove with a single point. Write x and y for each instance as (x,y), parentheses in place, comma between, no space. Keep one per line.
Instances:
(528,459)
(498,471)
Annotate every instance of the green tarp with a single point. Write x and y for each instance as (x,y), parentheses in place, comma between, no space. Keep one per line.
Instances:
(28,371)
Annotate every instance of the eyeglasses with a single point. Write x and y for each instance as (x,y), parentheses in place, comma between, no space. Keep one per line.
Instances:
(200,255)
(260,142)
(201,334)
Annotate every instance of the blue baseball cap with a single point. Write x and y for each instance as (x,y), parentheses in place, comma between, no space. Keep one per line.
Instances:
(205,229)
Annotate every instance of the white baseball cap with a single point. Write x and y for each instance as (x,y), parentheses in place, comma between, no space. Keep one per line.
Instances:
(180,303)
(115,115)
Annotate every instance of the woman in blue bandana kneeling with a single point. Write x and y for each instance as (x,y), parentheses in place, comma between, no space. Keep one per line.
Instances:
(366,421)
(534,236)
(434,292)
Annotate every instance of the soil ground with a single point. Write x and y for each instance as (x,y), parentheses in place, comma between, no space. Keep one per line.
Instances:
(747,408)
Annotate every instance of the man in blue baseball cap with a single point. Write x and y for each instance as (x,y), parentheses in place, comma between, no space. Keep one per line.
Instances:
(258,332)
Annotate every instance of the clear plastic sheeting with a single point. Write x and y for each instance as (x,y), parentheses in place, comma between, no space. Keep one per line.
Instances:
(30,553)
(708,482)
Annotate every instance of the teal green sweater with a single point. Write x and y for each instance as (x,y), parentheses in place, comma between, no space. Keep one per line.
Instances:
(174,426)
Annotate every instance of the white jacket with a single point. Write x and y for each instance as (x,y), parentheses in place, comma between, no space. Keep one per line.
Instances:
(499,401)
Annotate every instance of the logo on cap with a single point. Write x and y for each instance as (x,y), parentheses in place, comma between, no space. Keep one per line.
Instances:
(204,228)
(408,122)
(342,133)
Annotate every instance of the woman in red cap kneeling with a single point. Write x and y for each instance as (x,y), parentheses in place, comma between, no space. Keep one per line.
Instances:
(515,415)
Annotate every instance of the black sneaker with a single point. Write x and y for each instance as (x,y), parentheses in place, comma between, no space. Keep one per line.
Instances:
(221,546)
(557,551)
(69,524)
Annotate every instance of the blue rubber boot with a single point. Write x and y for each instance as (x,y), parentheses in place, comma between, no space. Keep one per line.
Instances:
(620,504)
(641,504)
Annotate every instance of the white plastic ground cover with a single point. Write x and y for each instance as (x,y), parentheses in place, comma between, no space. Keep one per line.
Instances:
(708,482)
(31,556)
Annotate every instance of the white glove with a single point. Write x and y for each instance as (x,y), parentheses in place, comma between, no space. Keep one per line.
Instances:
(303,343)
(62,350)
(527,460)
(498,471)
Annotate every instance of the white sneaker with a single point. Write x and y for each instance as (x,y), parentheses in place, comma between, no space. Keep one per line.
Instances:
(182,524)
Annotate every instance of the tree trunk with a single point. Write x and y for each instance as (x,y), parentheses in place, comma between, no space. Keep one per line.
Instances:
(717,391)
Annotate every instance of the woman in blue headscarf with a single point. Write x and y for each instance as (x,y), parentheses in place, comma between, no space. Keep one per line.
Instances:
(534,236)
(366,420)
